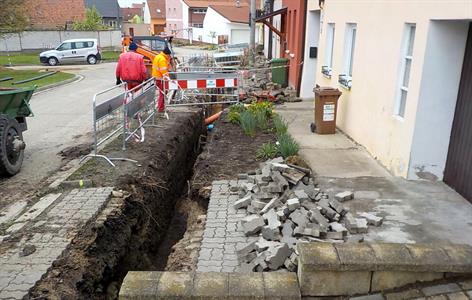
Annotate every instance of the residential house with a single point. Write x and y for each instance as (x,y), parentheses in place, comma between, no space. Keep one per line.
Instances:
(45,14)
(109,10)
(233,24)
(287,20)
(193,15)
(405,70)
(129,14)
(311,42)
(174,23)
(155,15)
(133,20)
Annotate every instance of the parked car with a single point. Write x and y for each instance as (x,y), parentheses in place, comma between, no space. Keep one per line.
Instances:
(73,51)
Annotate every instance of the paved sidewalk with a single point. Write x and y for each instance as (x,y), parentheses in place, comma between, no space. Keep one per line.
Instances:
(414,211)
(38,237)
(222,235)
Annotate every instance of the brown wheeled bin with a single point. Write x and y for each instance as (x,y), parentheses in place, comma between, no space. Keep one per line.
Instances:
(326,105)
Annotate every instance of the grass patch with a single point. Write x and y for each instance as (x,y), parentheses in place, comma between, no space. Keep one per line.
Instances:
(19,58)
(110,55)
(25,74)
(32,58)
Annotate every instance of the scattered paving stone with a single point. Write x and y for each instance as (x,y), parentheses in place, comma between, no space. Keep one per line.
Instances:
(441,289)
(28,250)
(457,296)
(278,207)
(344,196)
(372,219)
(293,204)
(243,202)
(252,224)
(369,297)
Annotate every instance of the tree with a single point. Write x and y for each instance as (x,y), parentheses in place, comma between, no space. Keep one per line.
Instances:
(93,21)
(12,16)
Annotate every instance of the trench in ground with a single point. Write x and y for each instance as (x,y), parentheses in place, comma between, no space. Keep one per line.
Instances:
(157,227)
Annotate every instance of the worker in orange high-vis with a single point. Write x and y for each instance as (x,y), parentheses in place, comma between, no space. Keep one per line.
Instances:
(160,71)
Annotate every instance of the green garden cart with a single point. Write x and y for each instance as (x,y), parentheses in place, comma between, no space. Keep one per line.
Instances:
(14,108)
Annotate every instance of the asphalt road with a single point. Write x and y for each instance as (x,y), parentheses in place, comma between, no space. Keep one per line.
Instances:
(62,118)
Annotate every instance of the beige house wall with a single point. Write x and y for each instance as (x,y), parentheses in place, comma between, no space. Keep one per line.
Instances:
(366,112)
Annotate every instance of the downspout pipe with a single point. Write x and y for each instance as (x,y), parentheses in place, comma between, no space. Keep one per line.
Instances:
(299,83)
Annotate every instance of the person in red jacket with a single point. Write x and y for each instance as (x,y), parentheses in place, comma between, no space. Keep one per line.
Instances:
(131,68)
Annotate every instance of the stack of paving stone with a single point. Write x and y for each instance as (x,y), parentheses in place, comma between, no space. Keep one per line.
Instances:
(284,208)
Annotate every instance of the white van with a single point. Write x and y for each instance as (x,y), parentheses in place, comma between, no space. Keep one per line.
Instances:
(72,51)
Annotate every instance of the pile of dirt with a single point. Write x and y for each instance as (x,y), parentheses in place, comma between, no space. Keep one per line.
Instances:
(227,153)
(129,236)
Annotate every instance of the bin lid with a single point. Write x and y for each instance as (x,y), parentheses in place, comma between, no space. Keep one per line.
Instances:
(279,60)
(326,91)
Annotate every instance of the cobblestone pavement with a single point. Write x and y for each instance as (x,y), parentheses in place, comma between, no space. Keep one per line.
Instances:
(455,289)
(43,234)
(222,235)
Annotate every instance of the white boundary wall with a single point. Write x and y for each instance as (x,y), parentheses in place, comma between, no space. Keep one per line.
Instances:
(38,40)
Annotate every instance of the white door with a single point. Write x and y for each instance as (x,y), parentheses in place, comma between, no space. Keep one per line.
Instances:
(239,36)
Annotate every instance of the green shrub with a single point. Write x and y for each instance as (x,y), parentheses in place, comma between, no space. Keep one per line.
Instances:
(248,123)
(262,107)
(281,127)
(267,151)
(234,114)
(234,117)
(287,145)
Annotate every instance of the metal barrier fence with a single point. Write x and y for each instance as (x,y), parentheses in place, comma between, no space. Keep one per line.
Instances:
(202,88)
(139,109)
(121,112)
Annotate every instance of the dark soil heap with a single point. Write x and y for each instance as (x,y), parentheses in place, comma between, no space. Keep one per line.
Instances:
(128,237)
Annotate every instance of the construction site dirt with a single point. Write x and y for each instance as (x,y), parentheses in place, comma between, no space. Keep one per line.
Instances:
(156,221)
(127,233)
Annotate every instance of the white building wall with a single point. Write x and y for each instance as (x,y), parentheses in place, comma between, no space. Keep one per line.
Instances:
(185,20)
(214,22)
(438,96)
(147,14)
(366,112)
(39,40)
(310,65)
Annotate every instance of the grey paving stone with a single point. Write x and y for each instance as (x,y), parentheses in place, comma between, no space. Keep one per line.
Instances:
(441,289)
(369,297)
(457,296)
(59,225)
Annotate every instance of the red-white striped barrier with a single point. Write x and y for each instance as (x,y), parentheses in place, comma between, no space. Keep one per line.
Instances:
(203,84)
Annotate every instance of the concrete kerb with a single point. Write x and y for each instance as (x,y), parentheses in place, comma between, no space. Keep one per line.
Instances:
(209,285)
(76,78)
(331,269)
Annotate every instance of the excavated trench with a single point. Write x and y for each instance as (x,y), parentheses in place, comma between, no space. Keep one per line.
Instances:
(157,222)
(138,230)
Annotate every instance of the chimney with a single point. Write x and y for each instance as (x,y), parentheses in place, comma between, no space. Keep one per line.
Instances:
(238,3)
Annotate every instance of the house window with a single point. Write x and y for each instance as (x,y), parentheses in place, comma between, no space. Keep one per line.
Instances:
(328,65)
(406,61)
(345,79)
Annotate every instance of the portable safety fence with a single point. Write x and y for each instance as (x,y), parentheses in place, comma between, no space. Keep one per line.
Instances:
(116,110)
(202,88)
(139,110)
